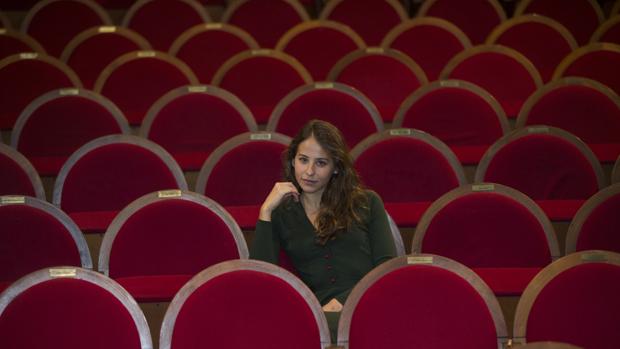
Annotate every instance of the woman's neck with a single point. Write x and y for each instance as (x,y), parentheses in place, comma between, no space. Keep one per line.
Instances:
(311,202)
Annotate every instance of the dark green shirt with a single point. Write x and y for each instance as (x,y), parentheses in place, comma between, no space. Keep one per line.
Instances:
(331,270)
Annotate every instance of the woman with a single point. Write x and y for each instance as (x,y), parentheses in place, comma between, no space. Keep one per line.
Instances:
(333,231)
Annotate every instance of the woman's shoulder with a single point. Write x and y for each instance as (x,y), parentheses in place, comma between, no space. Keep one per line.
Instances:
(373,197)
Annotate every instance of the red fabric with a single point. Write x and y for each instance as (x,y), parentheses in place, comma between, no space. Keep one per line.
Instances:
(319,48)
(421,307)
(356,14)
(543,45)
(15,180)
(430,46)
(406,214)
(601,230)
(10,45)
(581,110)
(110,177)
(171,237)
(403,169)
(612,34)
(266,309)
(383,79)
(162,21)
(58,22)
(196,123)
(486,229)
(260,82)
(153,288)
(48,165)
(501,75)
(23,81)
(544,167)
(341,109)
(476,18)
(469,154)
(93,221)
(231,183)
(597,65)
(579,18)
(560,210)
(207,50)
(507,281)
(137,84)
(245,216)
(580,306)
(90,57)
(606,153)
(456,116)
(62,125)
(31,239)
(67,313)
(265,20)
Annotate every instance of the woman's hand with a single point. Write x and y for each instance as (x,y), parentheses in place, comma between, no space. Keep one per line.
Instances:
(280,191)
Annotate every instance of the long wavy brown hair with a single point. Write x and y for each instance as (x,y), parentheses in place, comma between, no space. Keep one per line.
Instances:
(344,195)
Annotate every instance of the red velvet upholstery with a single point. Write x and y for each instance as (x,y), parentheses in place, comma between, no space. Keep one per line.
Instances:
(18,175)
(476,18)
(69,313)
(430,42)
(500,70)
(540,40)
(96,48)
(190,125)
(600,223)
(240,309)
(582,107)
(15,42)
(356,14)
(54,23)
(579,306)
(261,80)
(386,77)
(55,125)
(206,47)
(612,31)
(350,111)
(265,20)
(596,62)
(319,45)
(162,21)
(134,82)
(23,79)
(581,17)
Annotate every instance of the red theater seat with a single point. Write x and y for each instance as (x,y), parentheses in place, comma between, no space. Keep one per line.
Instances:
(19,177)
(609,31)
(14,42)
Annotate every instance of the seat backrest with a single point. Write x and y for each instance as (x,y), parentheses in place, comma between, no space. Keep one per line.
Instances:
(265,20)
(385,75)
(423,301)
(81,307)
(89,52)
(19,177)
(505,73)
(475,18)
(53,23)
(595,61)
(109,172)
(169,233)
(615,173)
(609,31)
(573,300)
(543,162)
(429,41)
(487,225)
(370,19)
(162,21)
(14,42)
(261,78)
(205,47)
(457,112)
(407,165)
(224,175)
(135,80)
(544,41)
(319,44)
(36,234)
(213,308)
(595,226)
(191,121)
(57,123)
(345,107)
(26,76)
(583,107)
(581,17)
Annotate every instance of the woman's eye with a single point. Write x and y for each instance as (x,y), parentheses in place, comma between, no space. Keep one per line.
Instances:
(302,160)
(321,163)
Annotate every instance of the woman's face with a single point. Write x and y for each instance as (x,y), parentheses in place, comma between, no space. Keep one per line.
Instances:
(313,166)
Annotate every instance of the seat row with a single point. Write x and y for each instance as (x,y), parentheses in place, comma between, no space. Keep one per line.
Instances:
(410,301)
